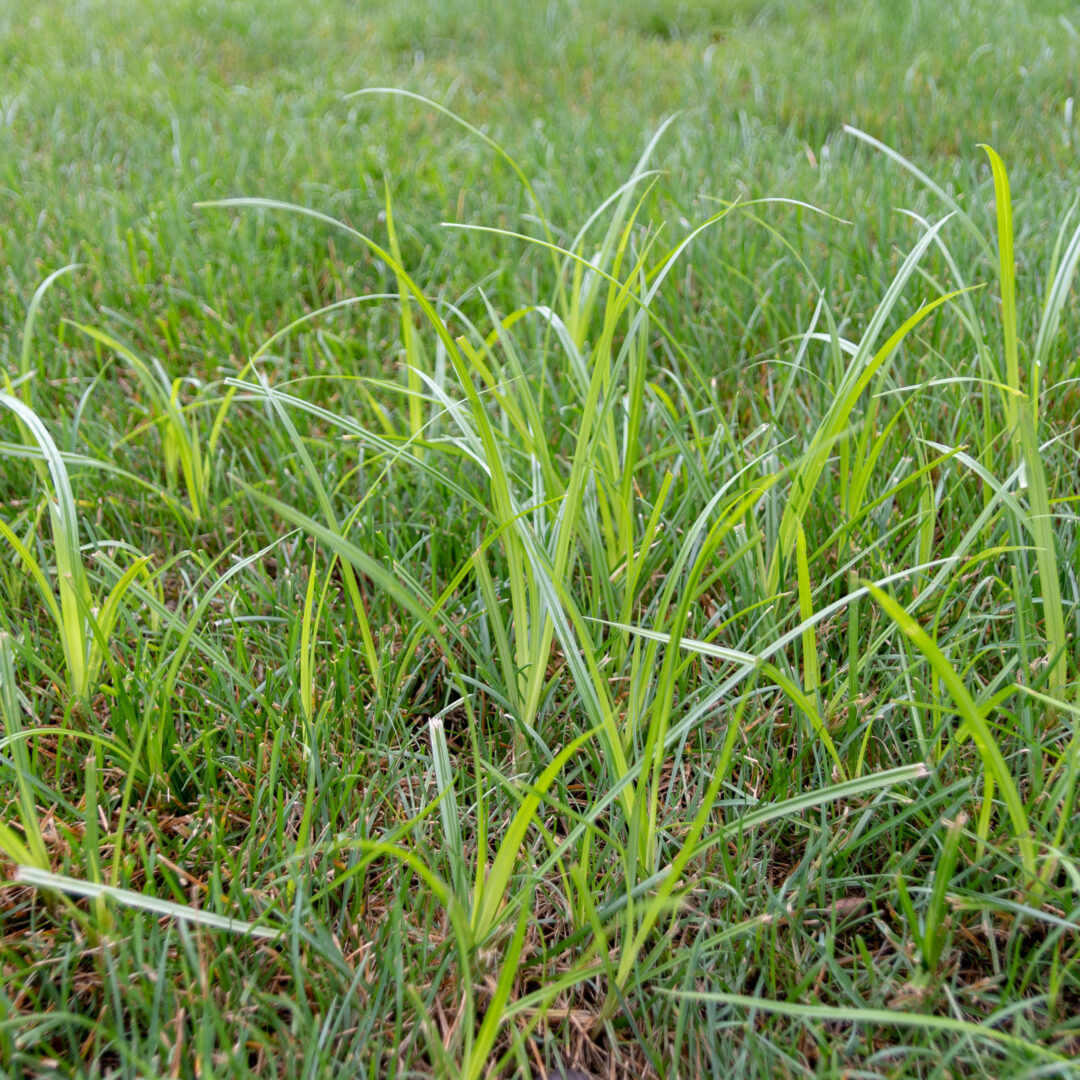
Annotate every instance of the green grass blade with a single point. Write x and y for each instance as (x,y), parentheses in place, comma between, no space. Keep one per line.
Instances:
(974,724)
(1007,285)
(877,1018)
(1041,523)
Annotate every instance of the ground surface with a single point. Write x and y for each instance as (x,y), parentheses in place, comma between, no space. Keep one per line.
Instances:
(371,650)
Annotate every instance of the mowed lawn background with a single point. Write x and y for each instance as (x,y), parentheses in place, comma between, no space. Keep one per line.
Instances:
(610,645)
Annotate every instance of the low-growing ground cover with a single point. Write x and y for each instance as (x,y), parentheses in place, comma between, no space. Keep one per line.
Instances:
(568,561)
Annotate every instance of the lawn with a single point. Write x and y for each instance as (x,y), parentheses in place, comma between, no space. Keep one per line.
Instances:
(539,537)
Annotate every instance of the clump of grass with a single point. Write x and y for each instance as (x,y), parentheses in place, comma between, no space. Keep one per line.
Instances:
(82,621)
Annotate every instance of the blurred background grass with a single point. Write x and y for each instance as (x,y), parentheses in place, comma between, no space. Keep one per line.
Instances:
(117,117)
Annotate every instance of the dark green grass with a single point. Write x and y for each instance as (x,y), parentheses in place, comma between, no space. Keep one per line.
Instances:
(820,940)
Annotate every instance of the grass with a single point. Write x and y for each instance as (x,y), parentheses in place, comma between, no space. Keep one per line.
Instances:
(566,560)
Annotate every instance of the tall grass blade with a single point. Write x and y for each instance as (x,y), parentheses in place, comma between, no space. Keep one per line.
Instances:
(1007,285)
(44,879)
(1041,523)
(973,725)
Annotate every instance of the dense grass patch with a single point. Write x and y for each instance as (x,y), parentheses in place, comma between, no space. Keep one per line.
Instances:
(570,561)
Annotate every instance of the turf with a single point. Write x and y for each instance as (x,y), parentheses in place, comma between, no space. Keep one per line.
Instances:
(566,559)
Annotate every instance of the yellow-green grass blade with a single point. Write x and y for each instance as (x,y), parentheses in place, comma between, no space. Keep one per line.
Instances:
(490,901)
(352,587)
(33,851)
(178,430)
(858,377)
(1007,285)
(480,1051)
(71,584)
(973,724)
(811,666)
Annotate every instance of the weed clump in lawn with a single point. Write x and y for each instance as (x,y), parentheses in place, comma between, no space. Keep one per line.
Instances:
(645,646)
